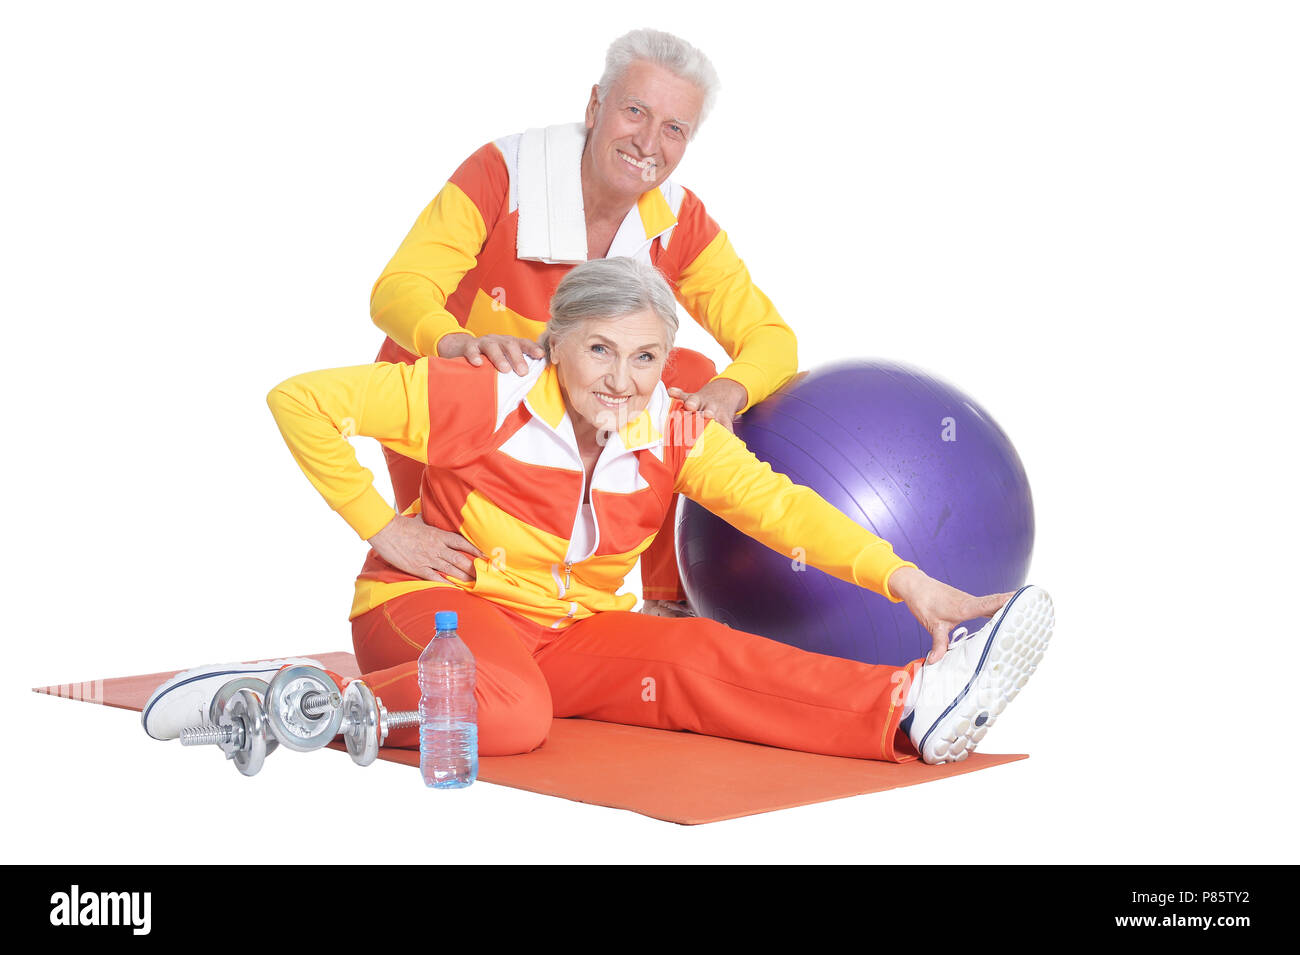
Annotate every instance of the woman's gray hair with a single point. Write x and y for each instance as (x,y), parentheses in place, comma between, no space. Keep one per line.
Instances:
(606,289)
(663,49)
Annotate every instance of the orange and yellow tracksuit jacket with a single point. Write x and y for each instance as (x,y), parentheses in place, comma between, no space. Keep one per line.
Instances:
(504,471)
(457,270)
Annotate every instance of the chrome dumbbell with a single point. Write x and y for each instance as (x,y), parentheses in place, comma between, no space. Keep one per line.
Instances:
(241,724)
(237,725)
(367,722)
(227,693)
(304,707)
(301,708)
(240,730)
(305,712)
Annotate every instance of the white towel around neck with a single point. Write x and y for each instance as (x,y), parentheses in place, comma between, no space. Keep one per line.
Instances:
(552,223)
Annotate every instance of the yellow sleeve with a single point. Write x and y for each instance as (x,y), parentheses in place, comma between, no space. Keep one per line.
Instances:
(409,300)
(718,292)
(724,476)
(317,412)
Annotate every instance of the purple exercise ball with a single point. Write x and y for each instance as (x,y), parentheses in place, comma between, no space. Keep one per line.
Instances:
(902,453)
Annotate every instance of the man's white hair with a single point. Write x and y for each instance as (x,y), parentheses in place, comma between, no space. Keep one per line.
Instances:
(663,49)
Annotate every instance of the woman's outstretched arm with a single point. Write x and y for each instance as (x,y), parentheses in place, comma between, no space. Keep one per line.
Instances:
(721,474)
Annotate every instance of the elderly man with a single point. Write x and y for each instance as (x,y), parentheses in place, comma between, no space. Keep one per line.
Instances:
(473,277)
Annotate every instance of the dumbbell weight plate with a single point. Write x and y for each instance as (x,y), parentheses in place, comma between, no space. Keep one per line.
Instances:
(284,713)
(244,710)
(363,722)
(227,693)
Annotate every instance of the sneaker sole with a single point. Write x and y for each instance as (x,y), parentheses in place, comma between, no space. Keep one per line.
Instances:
(1010,657)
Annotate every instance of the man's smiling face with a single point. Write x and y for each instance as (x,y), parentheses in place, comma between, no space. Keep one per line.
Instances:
(638,134)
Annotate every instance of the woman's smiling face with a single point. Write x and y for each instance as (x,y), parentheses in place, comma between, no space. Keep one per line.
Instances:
(608,369)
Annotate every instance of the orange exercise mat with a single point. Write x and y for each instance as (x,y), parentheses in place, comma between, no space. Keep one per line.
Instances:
(678,777)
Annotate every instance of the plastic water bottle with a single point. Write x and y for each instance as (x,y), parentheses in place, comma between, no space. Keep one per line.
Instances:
(448,711)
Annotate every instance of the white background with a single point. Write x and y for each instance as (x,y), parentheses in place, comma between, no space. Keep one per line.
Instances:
(1083,214)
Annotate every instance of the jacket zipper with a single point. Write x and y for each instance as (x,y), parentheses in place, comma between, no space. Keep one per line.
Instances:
(564,585)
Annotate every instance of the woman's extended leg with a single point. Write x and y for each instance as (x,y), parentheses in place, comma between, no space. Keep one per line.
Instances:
(514,704)
(698,675)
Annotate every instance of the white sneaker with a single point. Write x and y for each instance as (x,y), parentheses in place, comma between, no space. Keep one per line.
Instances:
(184,699)
(962,695)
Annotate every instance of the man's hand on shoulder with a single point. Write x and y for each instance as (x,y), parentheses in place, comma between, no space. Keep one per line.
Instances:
(504,351)
(721,400)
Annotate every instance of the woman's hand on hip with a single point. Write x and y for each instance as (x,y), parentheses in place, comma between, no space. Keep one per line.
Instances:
(940,607)
(504,351)
(417,548)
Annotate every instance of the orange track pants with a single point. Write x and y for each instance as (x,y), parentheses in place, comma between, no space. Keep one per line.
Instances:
(686,369)
(669,673)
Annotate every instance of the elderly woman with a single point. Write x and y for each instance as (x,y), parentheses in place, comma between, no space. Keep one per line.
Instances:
(561,478)
(473,277)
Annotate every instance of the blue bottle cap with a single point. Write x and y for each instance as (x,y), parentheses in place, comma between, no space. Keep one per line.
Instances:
(445,620)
